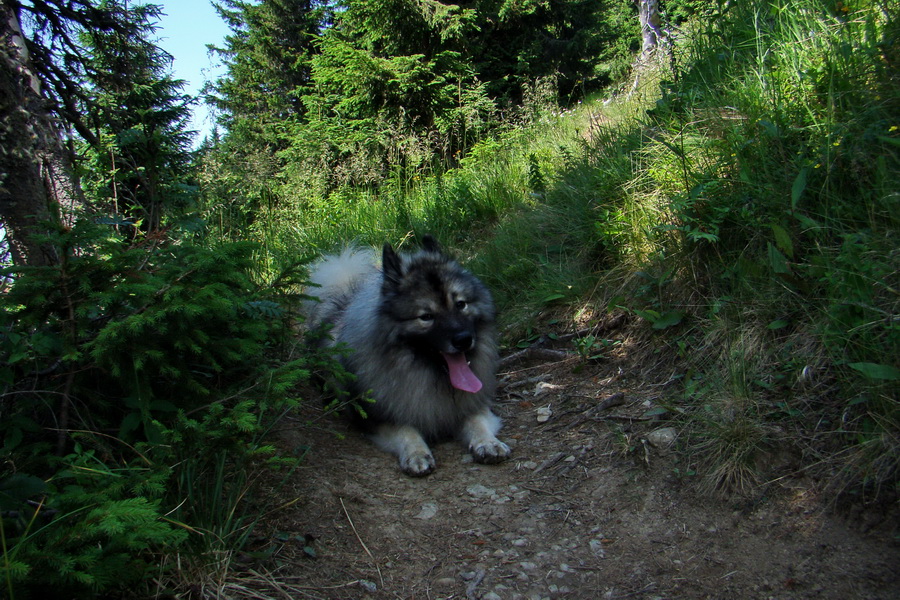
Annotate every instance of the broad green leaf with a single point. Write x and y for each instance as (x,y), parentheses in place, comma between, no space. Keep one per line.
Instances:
(648,315)
(799,186)
(656,411)
(777,261)
(18,488)
(877,371)
(668,319)
(552,297)
(783,240)
(889,140)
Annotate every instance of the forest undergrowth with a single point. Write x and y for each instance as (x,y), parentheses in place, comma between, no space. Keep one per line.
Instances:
(739,203)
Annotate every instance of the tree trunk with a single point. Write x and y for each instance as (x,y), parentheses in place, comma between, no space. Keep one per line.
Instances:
(651,31)
(26,136)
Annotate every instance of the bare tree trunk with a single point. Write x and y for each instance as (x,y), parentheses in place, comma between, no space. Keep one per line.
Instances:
(651,30)
(26,136)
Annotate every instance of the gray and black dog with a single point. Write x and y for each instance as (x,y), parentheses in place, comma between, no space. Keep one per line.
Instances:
(421,339)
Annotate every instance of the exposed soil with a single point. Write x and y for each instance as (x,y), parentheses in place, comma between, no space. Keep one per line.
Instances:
(587,507)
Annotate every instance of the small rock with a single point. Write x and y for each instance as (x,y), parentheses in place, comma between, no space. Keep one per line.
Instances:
(446,581)
(520,542)
(530,464)
(597,548)
(663,437)
(543,414)
(428,510)
(368,585)
(491,596)
(479,491)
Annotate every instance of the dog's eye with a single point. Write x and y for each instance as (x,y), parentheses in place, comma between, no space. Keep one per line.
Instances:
(461,304)
(426,317)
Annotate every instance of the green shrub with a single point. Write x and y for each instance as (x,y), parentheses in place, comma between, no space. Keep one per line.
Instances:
(126,371)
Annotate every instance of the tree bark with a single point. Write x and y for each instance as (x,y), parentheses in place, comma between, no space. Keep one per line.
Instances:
(27,135)
(651,30)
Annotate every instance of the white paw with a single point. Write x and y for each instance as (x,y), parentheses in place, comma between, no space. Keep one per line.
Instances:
(417,464)
(489,451)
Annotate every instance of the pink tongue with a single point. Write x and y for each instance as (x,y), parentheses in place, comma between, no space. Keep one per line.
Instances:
(461,376)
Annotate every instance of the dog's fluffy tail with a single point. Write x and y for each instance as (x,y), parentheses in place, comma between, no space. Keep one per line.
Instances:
(334,278)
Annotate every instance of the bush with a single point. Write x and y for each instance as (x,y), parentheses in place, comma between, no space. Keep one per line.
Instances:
(125,371)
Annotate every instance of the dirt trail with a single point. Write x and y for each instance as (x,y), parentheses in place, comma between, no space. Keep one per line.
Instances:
(571,515)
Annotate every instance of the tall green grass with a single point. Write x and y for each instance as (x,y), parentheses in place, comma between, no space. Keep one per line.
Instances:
(771,169)
(742,203)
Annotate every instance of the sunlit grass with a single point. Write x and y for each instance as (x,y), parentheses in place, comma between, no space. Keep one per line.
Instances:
(741,201)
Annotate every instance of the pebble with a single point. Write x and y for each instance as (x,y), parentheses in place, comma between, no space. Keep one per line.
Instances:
(428,510)
(479,491)
(662,437)
(544,413)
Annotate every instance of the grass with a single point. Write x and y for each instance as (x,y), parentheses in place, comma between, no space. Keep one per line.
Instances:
(742,201)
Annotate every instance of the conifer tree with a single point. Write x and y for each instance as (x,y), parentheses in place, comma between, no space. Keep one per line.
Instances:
(140,161)
(42,68)
(267,56)
(392,90)
(519,41)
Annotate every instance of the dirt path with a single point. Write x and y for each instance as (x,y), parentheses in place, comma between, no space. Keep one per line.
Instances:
(571,515)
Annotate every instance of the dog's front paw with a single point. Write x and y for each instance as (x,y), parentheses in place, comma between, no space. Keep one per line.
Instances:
(417,464)
(489,451)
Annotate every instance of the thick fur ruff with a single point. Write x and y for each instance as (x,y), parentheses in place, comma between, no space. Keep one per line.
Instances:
(421,336)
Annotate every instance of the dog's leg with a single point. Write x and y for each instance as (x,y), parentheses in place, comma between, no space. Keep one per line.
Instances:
(479,432)
(406,444)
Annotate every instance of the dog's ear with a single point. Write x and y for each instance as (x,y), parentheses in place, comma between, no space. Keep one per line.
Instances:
(429,244)
(391,265)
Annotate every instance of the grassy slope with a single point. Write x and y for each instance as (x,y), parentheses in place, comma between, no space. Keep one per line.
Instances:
(743,206)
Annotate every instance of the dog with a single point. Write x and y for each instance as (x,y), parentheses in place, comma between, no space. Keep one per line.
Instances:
(421,340)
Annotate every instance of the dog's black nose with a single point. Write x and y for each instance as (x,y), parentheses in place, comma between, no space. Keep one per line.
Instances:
(463,341)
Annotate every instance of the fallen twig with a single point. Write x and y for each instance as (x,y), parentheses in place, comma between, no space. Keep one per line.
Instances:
(476,581)
(362,543)
(616,399)
(546,354)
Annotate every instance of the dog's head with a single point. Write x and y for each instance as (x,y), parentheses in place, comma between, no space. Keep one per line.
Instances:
(438,307)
